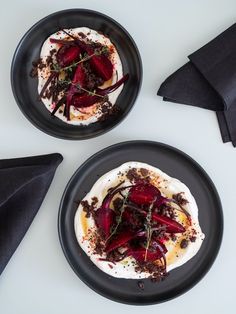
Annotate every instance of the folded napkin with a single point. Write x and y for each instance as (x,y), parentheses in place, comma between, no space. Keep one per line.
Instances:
(208,81)
(24,183)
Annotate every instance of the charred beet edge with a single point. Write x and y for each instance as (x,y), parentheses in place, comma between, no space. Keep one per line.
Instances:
(130,222)
(78,68)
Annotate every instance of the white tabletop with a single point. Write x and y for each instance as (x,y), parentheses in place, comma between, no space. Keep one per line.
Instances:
(38,278)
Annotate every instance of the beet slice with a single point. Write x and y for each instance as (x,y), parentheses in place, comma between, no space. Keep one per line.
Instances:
(105,218)
(142,255)
(78,78)
(66,55)
(120,240)
(113,87)
(58,105)
(144,194)
(84,101)
(62,41)
(101,65)
(172,226)
(50,78)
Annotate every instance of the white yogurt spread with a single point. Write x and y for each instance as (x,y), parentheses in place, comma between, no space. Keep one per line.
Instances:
(85,228)
(90,114)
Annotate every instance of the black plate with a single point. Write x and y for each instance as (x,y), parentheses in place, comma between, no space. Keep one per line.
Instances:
(25,88)
(176,164)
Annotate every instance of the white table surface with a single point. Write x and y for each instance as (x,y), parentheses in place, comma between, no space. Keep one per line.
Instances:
(38,278)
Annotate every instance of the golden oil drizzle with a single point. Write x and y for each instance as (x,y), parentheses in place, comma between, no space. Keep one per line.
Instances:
(84,222)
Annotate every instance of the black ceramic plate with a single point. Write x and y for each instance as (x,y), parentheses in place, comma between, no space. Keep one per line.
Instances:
(28,50)
(176,164)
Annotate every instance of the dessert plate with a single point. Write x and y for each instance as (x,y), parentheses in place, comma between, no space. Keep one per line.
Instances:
(25,89)
(178,165)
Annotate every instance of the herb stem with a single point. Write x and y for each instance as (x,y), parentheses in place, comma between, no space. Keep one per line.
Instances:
(148,227)
(89,92)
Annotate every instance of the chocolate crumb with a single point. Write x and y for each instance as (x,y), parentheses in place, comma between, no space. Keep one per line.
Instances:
(133,175)
(144,172)
(193,239)
(141,285)
(184,244)
(89,208)
(117,203)
(179,198)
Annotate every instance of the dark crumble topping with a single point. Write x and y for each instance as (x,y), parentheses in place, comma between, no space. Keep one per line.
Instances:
(193,238)
(109,111)
(117,203)
(35,65)
(99,246)
(144,172)
(82,35)
(157,271)
(133,175)
(173,237)
(180,199)
(89,208)
(167,210)
(141,285)
(184,244)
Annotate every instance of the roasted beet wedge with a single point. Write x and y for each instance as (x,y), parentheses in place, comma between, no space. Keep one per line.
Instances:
(144,194)
(113,87)
(102,66)
(85,100)
(172,226)
(121,239)
(105,218)
(63,42)
(143,255)
(66,55)
(79,78)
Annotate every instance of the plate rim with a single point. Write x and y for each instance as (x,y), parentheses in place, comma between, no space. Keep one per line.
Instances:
(158,144)
(16,52)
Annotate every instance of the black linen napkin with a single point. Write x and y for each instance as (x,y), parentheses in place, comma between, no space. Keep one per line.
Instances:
(24,183)
(209,81)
